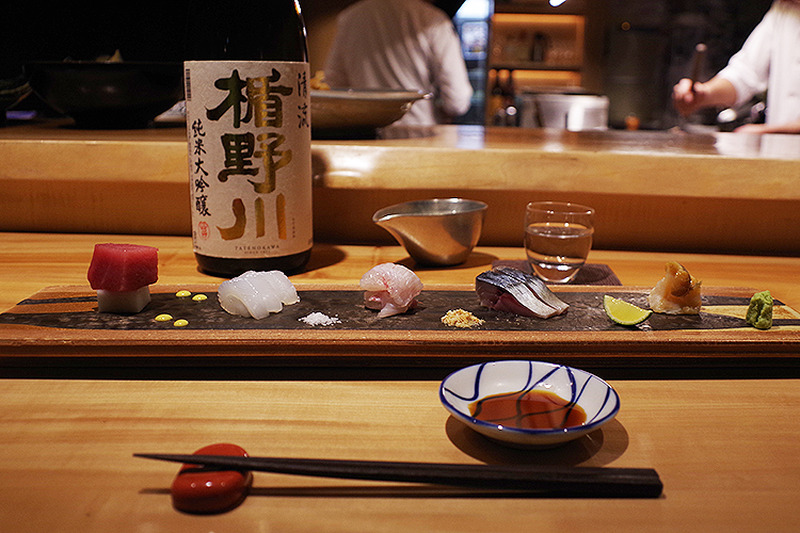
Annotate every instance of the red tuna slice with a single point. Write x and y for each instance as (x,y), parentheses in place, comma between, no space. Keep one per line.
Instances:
(123,267)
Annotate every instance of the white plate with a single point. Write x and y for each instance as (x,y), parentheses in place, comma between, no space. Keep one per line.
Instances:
(352,109)
(468,385)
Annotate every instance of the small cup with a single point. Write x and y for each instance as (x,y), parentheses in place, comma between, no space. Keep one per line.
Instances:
(437,231)
(558,237)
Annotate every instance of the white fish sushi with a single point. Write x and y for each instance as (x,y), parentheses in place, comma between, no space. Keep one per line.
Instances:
(390,288)
(257,294)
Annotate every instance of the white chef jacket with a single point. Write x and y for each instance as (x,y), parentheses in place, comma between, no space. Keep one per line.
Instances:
(401,44)
(770,58)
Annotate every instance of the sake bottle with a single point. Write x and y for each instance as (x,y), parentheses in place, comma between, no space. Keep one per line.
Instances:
(246,80)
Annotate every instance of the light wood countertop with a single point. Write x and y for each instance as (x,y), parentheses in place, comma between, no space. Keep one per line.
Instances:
(726,449)
(652,190)
(726,452)
(31,262)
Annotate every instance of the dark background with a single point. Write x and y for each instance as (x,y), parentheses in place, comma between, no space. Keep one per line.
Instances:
(155,31)
(80,31)
(656,50)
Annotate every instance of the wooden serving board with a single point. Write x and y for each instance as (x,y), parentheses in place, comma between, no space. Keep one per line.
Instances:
(63,322)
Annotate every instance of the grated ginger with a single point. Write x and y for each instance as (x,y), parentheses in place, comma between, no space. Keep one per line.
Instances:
(460,318)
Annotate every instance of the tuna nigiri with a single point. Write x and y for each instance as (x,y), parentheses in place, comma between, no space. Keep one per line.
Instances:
(511,290)
(390,288)
(257,294)
(122,274)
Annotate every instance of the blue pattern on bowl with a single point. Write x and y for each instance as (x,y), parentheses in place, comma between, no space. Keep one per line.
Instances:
(463,387)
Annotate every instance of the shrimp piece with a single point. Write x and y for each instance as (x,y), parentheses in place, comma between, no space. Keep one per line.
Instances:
(677,293)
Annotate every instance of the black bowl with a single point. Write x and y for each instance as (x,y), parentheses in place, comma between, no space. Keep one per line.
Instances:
(108,95)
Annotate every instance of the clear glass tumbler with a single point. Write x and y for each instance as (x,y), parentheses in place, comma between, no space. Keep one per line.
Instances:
(558,237)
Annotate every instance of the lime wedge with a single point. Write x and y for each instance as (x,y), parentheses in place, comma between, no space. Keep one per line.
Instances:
(624,313)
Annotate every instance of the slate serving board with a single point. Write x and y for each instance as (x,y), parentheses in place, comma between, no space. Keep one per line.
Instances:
(64,322)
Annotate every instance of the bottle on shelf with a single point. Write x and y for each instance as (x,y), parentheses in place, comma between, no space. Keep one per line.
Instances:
(539,48)
(504,108)
(495,100)
(249,136)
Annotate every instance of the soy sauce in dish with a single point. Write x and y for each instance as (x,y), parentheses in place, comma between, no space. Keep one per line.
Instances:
(533,409)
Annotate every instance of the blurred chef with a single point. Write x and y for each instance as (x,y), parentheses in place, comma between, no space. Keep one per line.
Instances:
(401,44)
(770,58)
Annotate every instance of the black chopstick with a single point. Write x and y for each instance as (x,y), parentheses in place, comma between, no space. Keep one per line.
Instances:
(697,62)
(567,481)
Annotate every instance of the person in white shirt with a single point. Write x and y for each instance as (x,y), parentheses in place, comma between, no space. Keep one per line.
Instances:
(768,60)
(401,44)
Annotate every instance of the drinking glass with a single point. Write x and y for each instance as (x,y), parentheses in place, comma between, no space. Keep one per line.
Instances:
(558,237)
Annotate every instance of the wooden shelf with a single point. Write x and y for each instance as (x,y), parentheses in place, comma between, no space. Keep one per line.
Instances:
(513,40)
(541,51)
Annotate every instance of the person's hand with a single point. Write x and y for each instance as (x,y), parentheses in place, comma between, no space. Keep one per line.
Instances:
(688,97)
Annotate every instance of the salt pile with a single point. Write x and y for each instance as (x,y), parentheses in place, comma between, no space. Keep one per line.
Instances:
(319,319)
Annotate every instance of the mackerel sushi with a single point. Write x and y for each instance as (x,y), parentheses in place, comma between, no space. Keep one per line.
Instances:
(513,291)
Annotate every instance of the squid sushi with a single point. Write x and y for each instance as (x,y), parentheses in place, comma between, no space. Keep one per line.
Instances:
(390,288)
(513,291)
(257,294)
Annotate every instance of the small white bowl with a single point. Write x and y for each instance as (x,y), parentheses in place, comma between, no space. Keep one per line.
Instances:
(468,385)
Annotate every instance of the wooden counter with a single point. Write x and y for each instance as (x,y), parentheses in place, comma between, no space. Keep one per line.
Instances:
(726,452)
(726,449)
(652,190)
(31,262)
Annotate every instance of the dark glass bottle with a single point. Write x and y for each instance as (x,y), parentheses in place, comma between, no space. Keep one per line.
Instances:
(248,125)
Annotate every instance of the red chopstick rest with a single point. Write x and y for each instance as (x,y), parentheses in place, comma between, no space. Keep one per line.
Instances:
(206,490)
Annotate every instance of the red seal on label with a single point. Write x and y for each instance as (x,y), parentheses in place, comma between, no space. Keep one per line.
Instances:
(202,229)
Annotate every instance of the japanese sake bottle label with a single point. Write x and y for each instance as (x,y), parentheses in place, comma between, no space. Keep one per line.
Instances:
(249,136)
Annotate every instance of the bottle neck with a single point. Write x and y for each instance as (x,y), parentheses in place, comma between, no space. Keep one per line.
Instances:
(240,30)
